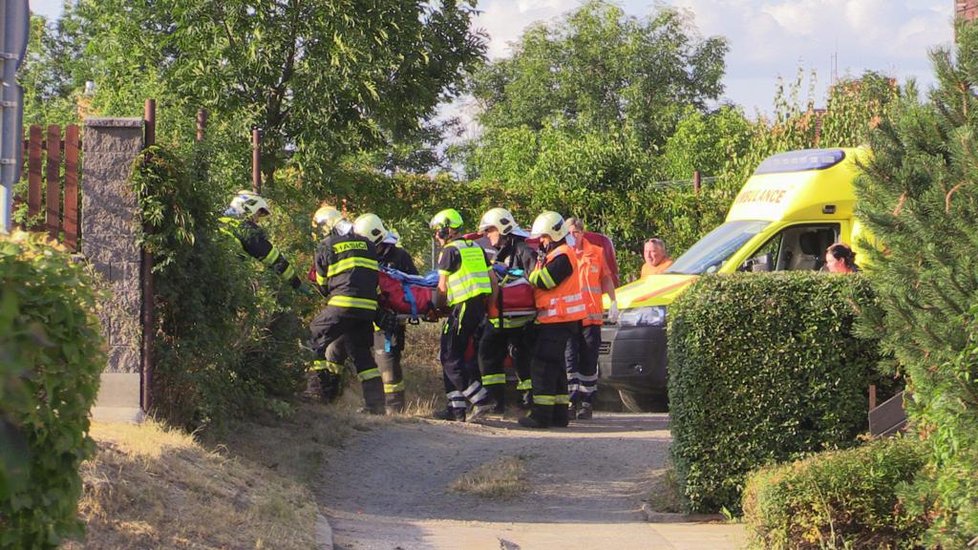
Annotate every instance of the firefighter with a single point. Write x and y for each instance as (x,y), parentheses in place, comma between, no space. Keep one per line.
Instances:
(560,310)
(506,334)
(582,350)
(346,274)
(465,282)
(389,332)
(240,221)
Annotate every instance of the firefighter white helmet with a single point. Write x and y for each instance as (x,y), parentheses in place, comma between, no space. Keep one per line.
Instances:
(371,227)
(501,219)
(550,224)
(247,203)
(325,219)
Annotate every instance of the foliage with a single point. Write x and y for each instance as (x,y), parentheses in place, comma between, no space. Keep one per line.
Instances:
(598,70)
(706,142)
(920,201)
(763,367)
(322,78)
(50,359)
(836,499)
(51,93)
(226,334)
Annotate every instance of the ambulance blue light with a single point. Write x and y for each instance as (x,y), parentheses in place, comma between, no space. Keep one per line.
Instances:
(800,161)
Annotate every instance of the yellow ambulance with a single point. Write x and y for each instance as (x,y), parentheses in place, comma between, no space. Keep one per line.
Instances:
(790,210)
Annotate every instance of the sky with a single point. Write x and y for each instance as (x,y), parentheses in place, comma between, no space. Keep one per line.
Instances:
(768,38)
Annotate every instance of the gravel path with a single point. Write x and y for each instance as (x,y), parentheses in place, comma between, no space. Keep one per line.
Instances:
(389,487)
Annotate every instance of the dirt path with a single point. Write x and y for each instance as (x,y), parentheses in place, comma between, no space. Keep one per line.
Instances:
(389,488)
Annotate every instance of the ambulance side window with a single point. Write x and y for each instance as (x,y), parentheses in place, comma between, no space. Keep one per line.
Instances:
(802,247)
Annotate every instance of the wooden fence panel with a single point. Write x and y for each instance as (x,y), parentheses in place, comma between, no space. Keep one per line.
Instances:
(49,196)
(54,181)
(34,172)
(72,222)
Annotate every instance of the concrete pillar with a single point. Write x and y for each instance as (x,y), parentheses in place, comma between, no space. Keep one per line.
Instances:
(109,230)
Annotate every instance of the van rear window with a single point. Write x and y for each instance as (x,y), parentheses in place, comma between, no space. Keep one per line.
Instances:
(800,161)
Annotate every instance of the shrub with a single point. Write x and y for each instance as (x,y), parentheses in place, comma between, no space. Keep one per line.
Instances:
(50,359)
(226,329)
(763,367)
(836,499)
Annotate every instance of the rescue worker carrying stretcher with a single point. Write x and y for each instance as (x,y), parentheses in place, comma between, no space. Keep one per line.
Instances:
(240,221)
(346,274)
(389,332)
(506,334)
(465,282)
(560,310)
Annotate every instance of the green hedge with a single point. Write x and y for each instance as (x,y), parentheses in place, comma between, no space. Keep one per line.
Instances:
(763,367)
(50,359)
(227,328)
(844,499)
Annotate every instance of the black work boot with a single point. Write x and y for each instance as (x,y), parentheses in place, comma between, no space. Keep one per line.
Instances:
(540,417)
(560,416)
(586,411)
(330,385)
(450,414)
(373,396)
(497,392)
(394,402)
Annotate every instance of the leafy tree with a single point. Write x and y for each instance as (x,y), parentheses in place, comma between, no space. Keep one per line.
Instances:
(920,200)
(322,78)
(598,70)
(706,142)
(50,74)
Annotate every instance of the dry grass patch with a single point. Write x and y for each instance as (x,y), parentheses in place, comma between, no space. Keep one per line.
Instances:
(152,487)
(664,495)
(503,478)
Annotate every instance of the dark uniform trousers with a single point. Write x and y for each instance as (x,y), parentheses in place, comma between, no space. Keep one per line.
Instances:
(353,338)
(494,345)
(549,372)
(387,352)
(582,364)
(462,378)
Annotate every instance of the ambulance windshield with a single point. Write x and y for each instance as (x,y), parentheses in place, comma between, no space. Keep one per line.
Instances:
(709,253)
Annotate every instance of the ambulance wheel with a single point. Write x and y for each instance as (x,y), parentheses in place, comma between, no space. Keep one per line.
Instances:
(638,402)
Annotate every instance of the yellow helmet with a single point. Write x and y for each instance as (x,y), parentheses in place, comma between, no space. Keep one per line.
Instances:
(500,218)
(325,219)
(371,227)
(448,217)
(551,224)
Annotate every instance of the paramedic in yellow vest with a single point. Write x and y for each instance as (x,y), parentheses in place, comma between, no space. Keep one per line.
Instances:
(465,283)
(582,351)
(560,310)
(347,275)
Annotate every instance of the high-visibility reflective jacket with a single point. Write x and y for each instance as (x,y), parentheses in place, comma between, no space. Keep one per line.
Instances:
(347,272)
(591,263)
(558,295)
(255,242)
(471,278)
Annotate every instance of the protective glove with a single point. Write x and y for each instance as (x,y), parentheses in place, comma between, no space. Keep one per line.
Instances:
(613,312)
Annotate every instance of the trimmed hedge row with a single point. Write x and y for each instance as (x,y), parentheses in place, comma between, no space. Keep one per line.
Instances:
(843,499)
(763,368)
(50,359)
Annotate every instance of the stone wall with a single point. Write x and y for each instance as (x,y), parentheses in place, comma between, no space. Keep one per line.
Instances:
(109,231)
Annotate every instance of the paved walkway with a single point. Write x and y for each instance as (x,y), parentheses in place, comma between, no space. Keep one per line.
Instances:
(389,488)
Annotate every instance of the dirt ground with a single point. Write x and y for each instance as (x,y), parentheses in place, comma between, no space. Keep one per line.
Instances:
(390,488)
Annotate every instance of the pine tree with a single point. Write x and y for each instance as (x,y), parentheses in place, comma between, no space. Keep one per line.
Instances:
(920,201)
